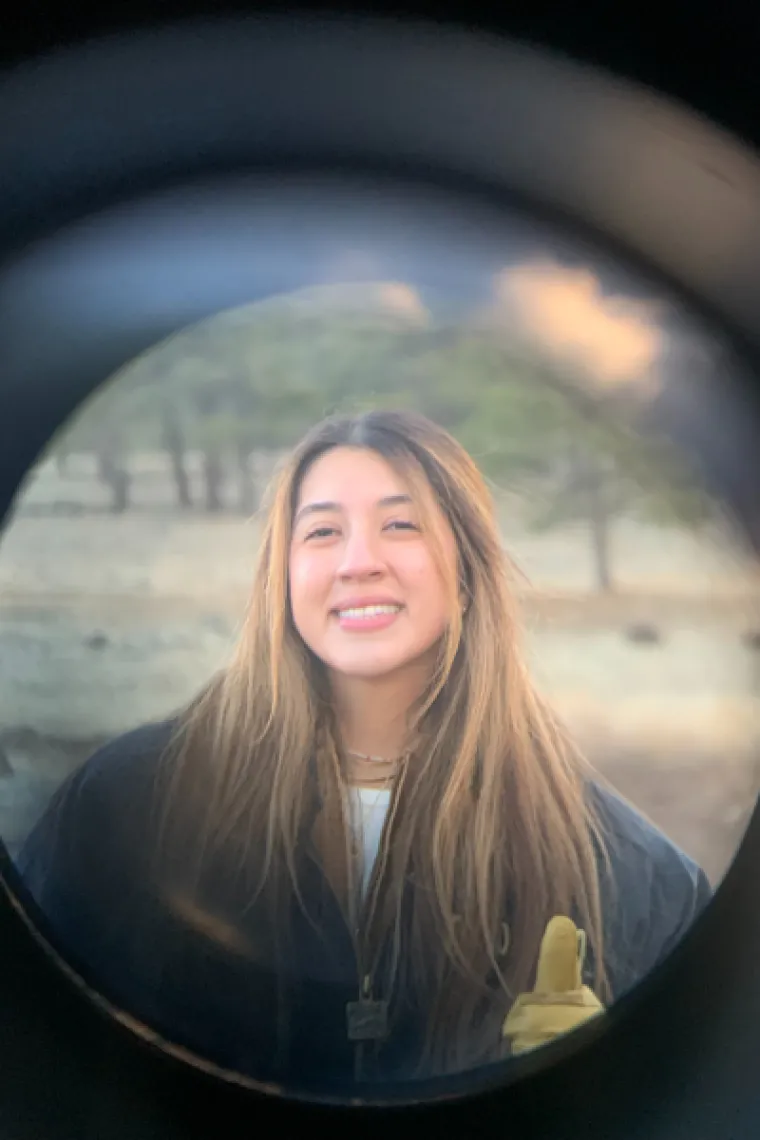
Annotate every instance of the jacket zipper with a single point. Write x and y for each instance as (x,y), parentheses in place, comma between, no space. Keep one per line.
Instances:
(365,979)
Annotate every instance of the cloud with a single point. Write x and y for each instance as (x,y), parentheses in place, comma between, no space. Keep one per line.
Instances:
(403,300)
(396,298)
(615,340)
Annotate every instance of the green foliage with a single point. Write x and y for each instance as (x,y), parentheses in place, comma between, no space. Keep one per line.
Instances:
(259,378)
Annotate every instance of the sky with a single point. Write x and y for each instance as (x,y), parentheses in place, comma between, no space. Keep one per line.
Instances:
(618,340)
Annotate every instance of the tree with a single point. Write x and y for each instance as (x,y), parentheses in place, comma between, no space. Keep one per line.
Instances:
(113,471)
(175,444)
(100,428)
(254,380)
(576,456)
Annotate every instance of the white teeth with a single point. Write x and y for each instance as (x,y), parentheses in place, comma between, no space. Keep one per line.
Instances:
(368,611)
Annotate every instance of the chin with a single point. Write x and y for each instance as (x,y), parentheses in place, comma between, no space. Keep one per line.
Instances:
(367,673)
(367,670)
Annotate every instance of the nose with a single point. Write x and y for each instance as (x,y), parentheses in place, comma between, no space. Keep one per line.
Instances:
(361,556)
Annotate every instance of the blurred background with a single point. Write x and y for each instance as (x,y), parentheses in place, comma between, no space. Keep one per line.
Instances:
(125,565)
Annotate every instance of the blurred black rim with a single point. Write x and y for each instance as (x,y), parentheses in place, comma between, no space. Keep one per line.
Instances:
(650,180)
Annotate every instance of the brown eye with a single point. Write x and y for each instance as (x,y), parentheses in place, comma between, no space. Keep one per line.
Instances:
(320,532)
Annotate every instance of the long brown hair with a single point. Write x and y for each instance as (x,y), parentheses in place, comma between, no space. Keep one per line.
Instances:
(491,827)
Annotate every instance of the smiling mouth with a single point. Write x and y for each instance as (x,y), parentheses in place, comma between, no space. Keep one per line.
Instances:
(361,613)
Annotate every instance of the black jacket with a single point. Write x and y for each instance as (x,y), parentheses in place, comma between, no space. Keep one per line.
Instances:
(202,980)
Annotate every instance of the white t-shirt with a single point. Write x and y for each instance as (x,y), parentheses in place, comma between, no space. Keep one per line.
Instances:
(369,809)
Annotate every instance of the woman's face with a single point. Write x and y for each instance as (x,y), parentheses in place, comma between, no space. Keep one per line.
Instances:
(366,594)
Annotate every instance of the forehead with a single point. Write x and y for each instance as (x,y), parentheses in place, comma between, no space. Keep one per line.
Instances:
(351,474)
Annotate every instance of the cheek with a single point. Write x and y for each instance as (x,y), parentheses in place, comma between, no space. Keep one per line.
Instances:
(308,582)
(428,583)
(298,587)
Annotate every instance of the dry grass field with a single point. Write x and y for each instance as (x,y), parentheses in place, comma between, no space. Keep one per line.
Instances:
(107,621)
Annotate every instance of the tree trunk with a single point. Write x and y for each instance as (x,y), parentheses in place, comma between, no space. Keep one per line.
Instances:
(247,501)
(213,475)
(600,538)
(600,522)
(181,479)
(591,478)
(209,402)
(113,472)
(174,443)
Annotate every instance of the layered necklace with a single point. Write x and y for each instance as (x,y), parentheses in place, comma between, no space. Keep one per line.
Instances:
(372,771)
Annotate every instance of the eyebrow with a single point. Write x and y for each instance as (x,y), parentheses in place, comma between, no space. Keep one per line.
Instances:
(316,508)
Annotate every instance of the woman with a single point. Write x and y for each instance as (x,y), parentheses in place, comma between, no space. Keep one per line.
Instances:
(338,863)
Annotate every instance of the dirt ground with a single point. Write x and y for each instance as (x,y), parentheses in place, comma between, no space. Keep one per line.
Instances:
(704,807)
(107,622)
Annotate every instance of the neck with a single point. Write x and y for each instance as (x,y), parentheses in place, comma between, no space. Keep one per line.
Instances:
(373,713)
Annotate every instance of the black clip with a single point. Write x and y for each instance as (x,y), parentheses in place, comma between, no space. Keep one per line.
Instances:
(366,1019)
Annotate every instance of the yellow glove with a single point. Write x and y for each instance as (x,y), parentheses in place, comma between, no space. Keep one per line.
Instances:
(559,1002)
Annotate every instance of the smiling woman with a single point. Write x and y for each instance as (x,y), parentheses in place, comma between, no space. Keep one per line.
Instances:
(338,862)
(359,565)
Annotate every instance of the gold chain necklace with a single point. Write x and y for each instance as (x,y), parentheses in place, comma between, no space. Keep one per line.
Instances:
(372,770)
(370,759)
